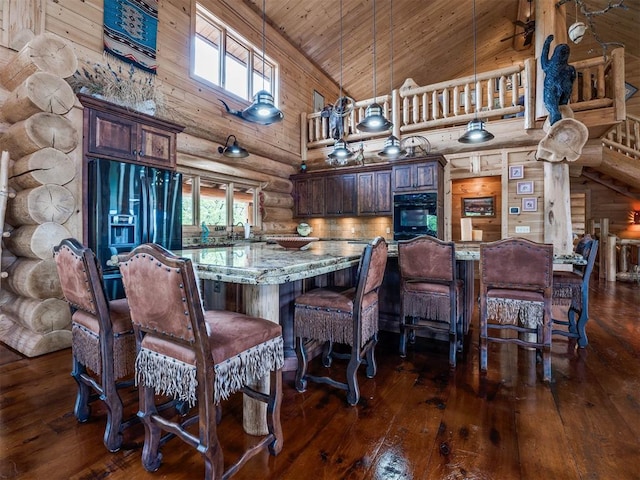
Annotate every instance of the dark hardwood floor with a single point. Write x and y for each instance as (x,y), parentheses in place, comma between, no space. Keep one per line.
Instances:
(416,420)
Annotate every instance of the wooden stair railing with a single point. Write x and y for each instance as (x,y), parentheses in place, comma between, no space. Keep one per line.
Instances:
(625,137)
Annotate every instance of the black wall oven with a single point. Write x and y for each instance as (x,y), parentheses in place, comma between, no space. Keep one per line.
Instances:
(415,214)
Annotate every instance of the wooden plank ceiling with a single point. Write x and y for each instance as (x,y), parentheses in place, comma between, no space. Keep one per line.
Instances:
(432,40)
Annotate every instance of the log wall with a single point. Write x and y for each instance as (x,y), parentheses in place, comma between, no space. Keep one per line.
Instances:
(41,137)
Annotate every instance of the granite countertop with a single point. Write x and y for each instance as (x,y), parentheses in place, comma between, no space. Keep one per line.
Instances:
(269,264)
(261,263)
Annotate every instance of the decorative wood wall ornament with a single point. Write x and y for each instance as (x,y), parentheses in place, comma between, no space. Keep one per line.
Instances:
(130,30)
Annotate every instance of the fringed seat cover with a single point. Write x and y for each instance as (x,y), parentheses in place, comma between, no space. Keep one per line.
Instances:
(244,349)
(427,300)
(327,315)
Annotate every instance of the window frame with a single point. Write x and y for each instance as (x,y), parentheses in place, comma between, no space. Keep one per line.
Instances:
(231,184)
(255,52)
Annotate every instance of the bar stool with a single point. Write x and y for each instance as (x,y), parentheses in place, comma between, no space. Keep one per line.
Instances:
(572,289)
(103,345)
(516,278)
(347,316)
(198,357)
(431,294)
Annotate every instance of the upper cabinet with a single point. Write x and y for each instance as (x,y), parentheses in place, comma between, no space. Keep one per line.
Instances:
(416,177)
(116,133)
(308,196)
(341,195)
(374,193)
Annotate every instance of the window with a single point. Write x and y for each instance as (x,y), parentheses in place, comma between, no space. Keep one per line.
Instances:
(224,59)
(217,203)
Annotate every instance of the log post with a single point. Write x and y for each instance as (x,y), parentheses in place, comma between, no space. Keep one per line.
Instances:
(260,301)
(45,53)
(557,207)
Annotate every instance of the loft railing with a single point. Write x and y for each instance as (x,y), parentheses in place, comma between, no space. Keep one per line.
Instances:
(500,94)
(625,137)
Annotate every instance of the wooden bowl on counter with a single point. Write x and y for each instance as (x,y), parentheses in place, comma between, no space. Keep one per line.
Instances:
(293,243)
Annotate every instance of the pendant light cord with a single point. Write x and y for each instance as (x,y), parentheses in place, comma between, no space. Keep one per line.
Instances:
(475,70)
(340,98)
(391,41)
(374,51)
(264,16)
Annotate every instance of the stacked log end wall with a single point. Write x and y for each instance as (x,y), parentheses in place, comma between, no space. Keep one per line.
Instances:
(40,133)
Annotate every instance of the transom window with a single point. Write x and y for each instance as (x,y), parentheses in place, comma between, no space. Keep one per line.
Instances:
(224,59)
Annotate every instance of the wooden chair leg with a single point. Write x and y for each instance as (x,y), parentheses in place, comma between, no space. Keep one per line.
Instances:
(327,351)
(115,410)
(370,356)
(151,456)
(273,412)
(301,371)
(82,410)
(483,343)
(353,391)
(453,348)
(212,451)
(403,335)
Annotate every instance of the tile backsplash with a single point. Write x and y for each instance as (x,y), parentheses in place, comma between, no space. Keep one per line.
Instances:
(348,228)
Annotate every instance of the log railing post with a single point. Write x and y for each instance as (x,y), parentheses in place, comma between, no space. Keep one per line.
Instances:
(4,196)
(617,76)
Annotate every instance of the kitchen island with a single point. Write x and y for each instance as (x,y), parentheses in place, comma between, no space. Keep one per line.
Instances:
(271,277)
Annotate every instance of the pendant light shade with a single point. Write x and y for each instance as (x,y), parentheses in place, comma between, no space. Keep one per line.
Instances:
(340,153)
(234,150)
(263,109)
(374,120)
(392,148)
(476,132)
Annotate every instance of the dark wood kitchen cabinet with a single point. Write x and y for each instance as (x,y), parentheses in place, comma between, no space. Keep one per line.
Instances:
(309,196)
(415,177)
(340,195)
(374,193)
(116,133)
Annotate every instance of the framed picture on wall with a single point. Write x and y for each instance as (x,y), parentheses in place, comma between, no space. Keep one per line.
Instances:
(530,204)
(318,101)
(479,207)
(516,171)
(524,188)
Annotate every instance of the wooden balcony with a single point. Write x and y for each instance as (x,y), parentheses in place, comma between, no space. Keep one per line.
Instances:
(504,98)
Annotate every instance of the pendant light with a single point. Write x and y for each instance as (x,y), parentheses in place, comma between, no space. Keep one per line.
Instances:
(374,120)
(391,148)
(476,132)
(341,152)
(263,109)
(234,150)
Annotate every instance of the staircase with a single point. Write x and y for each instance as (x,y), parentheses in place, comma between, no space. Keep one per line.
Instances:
(621,153)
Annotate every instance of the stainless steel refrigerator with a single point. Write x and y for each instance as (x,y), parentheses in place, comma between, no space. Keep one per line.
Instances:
(131,204)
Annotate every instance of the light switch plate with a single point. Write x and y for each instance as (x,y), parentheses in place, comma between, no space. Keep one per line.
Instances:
(523,229)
